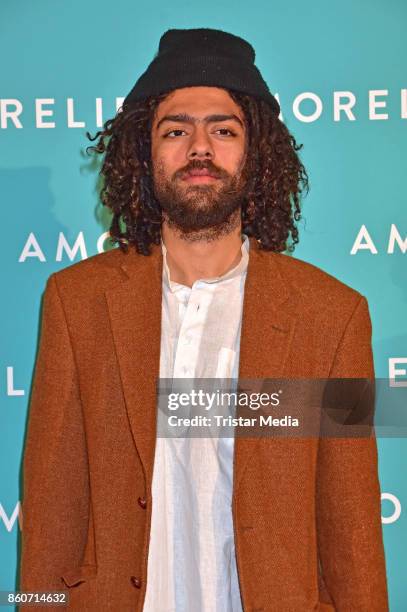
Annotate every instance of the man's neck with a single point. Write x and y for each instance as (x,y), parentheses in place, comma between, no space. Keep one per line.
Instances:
(190,261)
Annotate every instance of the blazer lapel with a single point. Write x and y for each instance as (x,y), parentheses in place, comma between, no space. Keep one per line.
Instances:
(266,336)
(135,313)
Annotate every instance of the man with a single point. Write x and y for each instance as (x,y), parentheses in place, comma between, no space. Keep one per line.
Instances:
(206,181)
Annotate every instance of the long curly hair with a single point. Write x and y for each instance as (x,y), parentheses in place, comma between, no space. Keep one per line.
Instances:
(277,178)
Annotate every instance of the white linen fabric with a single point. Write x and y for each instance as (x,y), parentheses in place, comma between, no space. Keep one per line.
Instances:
(191,561)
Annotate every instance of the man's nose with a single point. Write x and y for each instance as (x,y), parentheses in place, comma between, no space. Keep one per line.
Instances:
(200,145)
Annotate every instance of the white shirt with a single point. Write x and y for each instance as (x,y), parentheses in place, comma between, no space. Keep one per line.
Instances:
(191,562)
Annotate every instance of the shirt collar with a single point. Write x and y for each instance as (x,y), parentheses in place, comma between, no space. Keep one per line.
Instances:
(239,269)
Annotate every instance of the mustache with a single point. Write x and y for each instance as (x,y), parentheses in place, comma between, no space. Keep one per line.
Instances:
(200,165)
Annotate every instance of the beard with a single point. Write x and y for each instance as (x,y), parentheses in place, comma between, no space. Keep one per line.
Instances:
(201,211)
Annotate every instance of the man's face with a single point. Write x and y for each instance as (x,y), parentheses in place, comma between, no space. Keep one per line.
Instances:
(198,154)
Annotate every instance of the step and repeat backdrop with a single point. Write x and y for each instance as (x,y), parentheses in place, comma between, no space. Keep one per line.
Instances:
(339,72)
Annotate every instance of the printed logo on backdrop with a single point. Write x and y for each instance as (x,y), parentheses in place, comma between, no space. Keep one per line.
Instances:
(32,249)
(342,106)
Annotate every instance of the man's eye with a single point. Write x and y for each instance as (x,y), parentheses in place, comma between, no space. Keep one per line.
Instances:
(226,130)
(172,132)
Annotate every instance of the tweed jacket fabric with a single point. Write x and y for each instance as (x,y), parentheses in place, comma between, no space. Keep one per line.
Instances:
(306,511)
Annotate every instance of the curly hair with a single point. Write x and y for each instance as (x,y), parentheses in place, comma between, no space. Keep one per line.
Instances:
(275,174)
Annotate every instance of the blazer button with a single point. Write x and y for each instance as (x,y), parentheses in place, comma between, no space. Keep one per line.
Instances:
(136,582)
(142,502)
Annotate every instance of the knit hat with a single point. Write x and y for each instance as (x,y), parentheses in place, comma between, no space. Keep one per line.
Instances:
(202,56)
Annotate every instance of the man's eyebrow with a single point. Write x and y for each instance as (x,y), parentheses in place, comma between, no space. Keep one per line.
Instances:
(185,118)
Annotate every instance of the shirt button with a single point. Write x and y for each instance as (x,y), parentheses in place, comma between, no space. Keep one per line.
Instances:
(187,339)
(136,582)
(142,502)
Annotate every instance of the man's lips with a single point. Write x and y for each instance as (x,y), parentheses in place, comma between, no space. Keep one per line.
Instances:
(199,176)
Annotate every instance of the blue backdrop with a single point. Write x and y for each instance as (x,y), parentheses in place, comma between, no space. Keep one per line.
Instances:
(339,72)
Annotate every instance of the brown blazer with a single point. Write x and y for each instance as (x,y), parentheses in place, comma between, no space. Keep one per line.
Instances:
(307,513)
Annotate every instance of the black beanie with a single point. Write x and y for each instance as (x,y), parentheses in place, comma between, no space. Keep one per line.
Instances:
(202,56)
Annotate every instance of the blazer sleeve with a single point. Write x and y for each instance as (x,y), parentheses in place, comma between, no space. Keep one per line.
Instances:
(55,501)
(348,498)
